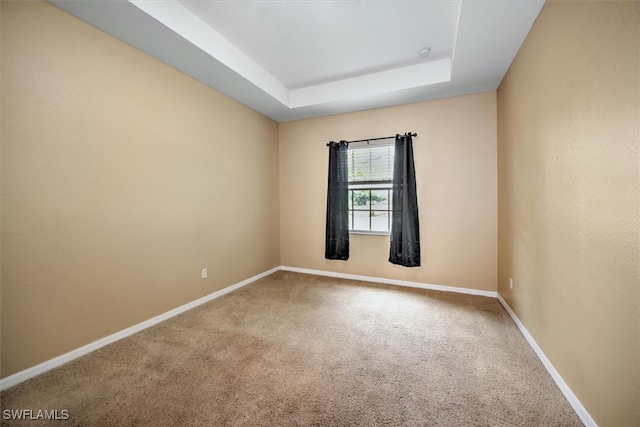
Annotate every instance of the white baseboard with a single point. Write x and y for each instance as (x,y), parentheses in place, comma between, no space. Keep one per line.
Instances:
(491,294)
(564,388)
(21,376)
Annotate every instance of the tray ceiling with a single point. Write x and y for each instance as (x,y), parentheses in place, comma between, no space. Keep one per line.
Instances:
(298,59)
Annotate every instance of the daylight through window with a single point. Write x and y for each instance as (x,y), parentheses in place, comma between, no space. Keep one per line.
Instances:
(370,180)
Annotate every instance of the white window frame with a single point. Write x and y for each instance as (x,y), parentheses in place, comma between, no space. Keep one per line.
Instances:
(378,185)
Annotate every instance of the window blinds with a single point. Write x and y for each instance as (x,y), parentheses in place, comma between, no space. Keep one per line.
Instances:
(370,163)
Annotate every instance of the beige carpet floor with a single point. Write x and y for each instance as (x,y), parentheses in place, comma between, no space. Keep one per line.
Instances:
(304,350)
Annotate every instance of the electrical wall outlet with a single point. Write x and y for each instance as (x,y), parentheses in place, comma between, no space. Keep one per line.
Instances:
(510,283)
(204,273)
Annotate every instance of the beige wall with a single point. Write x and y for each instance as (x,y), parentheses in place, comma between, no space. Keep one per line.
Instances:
(122,179)
(456,158)
(568,136)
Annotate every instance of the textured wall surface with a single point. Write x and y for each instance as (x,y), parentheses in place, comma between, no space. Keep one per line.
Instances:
(122,178)
(456,166)
(568,137)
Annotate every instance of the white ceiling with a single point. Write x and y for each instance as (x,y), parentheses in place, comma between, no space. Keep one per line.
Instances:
(297,59)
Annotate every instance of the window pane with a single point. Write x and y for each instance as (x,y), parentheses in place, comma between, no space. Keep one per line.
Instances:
(380,199)
(350,199)
(361,199)
(374,163)
(361,220)
(379,221)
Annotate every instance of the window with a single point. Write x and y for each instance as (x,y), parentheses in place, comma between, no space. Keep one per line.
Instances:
(370,181)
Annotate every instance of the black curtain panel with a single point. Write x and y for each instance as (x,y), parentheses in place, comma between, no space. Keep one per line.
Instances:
(337,227)
(405,230)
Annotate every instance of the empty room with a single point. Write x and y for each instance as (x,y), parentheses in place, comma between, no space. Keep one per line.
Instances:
(340,213)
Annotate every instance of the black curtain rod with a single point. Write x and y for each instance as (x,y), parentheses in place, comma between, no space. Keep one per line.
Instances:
(373,139)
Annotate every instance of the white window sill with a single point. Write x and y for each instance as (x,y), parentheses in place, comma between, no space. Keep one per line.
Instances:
(371,233)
